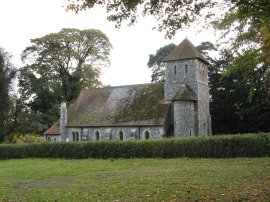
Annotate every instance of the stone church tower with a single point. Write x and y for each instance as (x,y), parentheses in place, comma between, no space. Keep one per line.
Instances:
(186,88)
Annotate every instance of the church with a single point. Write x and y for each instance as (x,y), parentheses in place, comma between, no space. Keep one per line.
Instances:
(179,107)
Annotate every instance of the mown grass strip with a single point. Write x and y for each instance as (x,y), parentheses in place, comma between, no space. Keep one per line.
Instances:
(181,179)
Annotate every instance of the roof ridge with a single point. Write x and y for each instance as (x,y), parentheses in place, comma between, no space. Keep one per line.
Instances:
(111,87)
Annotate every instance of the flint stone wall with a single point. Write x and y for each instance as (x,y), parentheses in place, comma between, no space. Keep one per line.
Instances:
(113,133)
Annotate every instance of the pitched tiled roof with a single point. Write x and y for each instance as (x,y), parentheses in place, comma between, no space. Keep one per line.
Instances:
(53,130)
(185,50)
(132,105)
(184,93)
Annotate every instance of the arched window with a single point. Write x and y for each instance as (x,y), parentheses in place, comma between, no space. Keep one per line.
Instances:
(77,136)
(174,70)
(121,135)
(73,136)
(186,68)
(97,135)
(49,138)
(146,135)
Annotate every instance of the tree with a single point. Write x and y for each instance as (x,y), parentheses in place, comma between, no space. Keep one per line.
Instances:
(23,120)
(58,66)
(247,75)
(171,15)
(156,64)
(248,21)
(7,74)
(174,15)
(243,92)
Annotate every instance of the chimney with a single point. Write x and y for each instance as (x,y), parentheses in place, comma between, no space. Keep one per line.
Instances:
(63,122)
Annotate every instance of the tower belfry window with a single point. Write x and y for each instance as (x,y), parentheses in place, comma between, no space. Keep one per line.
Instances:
(174,70)
(186,68)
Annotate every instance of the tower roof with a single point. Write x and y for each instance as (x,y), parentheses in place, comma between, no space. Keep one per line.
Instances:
(185,50)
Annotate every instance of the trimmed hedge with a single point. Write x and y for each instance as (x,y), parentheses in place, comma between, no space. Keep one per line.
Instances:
(226,146)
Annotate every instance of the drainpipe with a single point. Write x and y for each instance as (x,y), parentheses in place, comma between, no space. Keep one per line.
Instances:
(81,133)
(139,132)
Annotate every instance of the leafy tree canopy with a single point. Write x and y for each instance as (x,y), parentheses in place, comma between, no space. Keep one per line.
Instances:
(248,20)
(59,65)
(155,62)
(171,15)
(174,15)
(239,99)
(7,74)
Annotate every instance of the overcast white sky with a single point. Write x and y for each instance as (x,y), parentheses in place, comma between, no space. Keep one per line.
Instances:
(29,19)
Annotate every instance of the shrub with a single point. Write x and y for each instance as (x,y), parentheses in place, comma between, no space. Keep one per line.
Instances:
(226,146)
(19,138)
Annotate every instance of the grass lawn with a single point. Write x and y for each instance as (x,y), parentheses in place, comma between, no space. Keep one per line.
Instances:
(135,180)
